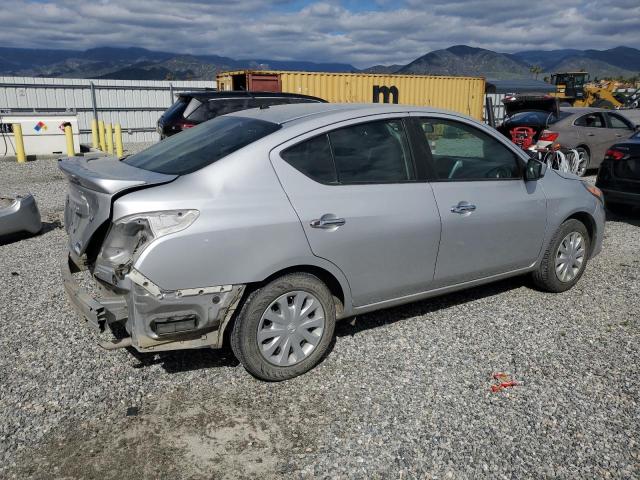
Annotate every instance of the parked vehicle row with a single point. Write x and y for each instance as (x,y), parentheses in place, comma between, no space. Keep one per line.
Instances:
(193,108)
(619,175)
(271,224)
(590,131)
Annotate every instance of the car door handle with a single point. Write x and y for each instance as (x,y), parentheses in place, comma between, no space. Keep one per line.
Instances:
(328,221)
(463,207)
(591,134)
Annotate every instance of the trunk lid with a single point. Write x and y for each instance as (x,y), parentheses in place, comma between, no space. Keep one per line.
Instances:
(522,103)
(93,185)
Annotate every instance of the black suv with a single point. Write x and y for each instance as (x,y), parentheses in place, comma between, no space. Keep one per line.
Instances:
(193,108)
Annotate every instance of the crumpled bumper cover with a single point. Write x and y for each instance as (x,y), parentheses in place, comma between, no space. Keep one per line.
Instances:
(156,319)
(20,214)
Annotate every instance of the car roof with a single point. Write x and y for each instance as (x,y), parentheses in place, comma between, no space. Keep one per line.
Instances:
(214,94)
(301,112)
(578,110)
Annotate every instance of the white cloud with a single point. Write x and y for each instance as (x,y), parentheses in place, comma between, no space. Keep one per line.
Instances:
(379,32)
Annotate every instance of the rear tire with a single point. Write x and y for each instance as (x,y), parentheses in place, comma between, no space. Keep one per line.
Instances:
(296,313)
(583,161)
(571,242)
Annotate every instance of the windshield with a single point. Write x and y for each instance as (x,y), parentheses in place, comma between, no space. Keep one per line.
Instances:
(200,146)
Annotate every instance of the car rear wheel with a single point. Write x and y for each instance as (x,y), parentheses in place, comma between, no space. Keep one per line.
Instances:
(582,163)
(285,328)
(565,259)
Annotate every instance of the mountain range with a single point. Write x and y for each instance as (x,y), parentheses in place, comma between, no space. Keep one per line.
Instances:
(142,64)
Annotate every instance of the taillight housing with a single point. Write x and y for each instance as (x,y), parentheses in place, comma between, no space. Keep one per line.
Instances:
(185,125)
(548,136)
(614,154)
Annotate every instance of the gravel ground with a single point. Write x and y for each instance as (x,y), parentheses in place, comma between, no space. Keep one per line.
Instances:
(405,392)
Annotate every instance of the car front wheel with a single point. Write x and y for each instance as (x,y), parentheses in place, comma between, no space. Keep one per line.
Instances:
(565,259)
(285,328)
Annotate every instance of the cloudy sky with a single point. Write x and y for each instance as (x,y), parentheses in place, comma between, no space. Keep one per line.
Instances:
(358,32)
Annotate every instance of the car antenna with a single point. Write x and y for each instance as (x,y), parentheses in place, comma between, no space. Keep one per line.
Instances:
(261,107)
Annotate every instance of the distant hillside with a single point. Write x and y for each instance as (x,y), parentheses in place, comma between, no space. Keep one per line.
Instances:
(138,63)
(468,61)
(459,60)
(619,61)
(386,69)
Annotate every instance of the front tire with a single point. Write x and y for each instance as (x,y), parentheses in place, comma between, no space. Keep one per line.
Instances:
(284,329)
(565,259)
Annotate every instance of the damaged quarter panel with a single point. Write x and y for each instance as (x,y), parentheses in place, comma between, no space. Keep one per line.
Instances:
(241,205)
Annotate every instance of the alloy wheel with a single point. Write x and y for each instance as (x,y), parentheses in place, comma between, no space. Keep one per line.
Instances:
(582,163)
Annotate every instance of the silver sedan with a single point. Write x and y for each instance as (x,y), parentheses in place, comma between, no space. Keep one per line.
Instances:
(271,224)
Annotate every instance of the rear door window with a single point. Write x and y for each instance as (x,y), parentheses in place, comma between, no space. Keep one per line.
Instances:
(592,120)
(313,158)
(374,152)
(200,146)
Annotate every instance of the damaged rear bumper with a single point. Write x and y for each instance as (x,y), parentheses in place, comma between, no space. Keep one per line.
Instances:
(155,319)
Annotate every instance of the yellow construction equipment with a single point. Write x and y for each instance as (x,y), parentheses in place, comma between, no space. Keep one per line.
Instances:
(574,88)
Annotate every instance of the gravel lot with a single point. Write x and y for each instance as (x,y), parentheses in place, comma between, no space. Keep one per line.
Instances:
(405,393)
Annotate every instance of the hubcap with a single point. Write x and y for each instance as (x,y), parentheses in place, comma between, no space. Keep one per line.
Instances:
(290,328)
(570,257)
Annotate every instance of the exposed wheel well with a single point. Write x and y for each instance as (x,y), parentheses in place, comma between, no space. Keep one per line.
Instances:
(327,278)
(588,221)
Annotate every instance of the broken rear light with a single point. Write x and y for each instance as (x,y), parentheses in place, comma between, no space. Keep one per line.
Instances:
(130,235)
(614,154)
(548,136)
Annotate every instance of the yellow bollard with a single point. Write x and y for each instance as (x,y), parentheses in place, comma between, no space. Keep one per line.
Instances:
(118,133)
(103,146)
(94,134)
(17,134)
(109,139)
(69,134)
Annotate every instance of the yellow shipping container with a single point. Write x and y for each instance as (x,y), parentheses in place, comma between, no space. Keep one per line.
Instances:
(460,94)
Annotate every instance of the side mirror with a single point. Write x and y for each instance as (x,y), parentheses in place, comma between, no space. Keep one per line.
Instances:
(534,170)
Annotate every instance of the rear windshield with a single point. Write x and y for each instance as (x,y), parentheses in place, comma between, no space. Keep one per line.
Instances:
(533,117)
(176,108)
(200,146)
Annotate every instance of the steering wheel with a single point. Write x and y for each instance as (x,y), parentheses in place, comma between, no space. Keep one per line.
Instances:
(500,172)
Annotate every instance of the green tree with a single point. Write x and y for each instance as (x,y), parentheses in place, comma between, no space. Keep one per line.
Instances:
(536,70)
